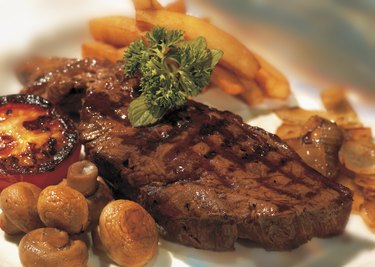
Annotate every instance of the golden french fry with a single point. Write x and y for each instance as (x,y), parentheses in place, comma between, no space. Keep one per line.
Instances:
(271,69)
(287,131)
(177,6)
(147,5)
(271,80)
(118,31)
(227,81)
(101,51)
(334,99)
(271,85)
(237,56)
(253,94)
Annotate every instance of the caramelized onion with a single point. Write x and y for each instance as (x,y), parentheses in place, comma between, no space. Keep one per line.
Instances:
(367,211)
(358,157)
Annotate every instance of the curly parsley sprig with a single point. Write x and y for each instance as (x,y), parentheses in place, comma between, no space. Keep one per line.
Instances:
(171,70)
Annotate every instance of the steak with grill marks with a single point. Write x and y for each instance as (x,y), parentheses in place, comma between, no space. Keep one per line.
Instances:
(205,176)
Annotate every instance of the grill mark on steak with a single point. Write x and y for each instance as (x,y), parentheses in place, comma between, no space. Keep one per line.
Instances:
(205,176)
(212,169)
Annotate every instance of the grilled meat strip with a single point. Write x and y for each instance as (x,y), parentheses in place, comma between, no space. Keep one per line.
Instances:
(207,177)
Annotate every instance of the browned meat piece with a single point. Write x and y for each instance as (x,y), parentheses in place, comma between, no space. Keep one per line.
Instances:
(62,81)
(205,176)
(30,70)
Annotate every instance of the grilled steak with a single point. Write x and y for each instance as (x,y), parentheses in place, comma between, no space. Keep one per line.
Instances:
(60,80)
(205,176)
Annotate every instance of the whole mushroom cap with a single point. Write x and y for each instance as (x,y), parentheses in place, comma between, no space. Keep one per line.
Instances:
(128,233)
(64,208)
(51,247)
(19,204)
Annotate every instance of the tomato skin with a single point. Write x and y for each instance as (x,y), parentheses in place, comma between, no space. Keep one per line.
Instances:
(37,142)
(44,179)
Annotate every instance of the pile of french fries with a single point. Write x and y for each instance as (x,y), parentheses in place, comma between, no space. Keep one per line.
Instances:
(240,72)
(338,109)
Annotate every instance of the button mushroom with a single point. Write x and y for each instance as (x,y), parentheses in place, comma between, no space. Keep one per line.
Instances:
(83,176)
(98,201)
(52,247)
(63,207)
(7,226)
(128,233)
(19,205)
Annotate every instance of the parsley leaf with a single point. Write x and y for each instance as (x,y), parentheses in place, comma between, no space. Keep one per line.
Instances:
(171,70)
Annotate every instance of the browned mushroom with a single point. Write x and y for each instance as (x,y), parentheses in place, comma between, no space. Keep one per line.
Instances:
(98,201)
(64,208)
(83,176)
(128,233)
(52,247)
(19,205)
(7,226)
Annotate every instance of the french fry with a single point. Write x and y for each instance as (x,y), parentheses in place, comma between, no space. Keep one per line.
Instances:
(334,99)
(147,5)
(227,81)
(271,80)
(118,31)
(253,94)
(177,6)
(101,51)
(272,87)
(236,55)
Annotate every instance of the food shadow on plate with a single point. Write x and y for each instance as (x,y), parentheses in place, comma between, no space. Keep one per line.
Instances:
(333,252)
(162,258)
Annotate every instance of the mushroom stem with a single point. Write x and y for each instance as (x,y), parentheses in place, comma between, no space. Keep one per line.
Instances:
(98,201)
(82,177)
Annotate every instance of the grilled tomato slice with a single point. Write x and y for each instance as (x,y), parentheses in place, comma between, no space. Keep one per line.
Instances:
(37,143)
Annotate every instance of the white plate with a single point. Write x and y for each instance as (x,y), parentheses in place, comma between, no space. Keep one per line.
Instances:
(355,248)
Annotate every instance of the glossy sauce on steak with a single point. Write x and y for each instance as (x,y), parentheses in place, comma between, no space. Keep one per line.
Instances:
(205,176)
